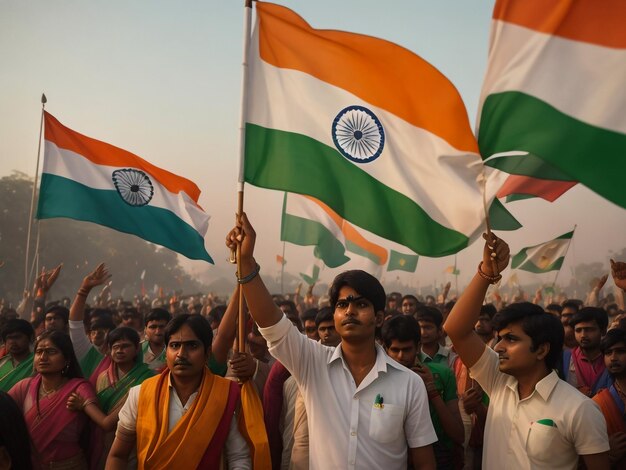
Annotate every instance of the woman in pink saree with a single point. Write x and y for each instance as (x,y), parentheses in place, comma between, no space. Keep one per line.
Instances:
(55,431)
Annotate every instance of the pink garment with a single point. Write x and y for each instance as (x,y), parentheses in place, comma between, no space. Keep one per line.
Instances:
(54,430)
(587,373)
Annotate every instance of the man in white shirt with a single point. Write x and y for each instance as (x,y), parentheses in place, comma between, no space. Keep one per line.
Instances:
(364,409)
(535,420)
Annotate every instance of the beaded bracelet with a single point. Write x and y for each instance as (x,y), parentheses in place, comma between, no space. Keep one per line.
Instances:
(487,277)
(250,276)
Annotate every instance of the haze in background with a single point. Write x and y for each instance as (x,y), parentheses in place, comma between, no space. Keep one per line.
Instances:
(162,79)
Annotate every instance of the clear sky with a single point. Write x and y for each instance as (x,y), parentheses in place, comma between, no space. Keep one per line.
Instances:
(162,79)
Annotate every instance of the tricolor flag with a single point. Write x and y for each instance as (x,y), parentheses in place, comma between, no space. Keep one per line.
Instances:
(368,128)
(280,260)
(402,262)
(85,179)
(544,257)
(553,97)
(517,187)
(312,275)
(308,221)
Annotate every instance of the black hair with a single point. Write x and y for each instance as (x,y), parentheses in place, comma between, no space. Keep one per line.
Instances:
(102,322)
(198,324)
(612,337)
(430,314)
(14,433)
(410,296)
(157,314)
(489,309)
(587,314)
(574,304)
(325,314)
(17,326)
(59,310)
(401,328)
(218,313)
(288,303)
(555,308)
(364,283)
(540,326)
(123,332)
(309,314)
(62,341)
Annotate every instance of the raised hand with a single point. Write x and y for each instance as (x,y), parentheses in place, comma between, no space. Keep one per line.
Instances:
(496,255)
(242,235)
(97,277)
(618,271)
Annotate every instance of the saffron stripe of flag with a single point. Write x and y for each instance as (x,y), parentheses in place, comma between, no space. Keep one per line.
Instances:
(548,101)
(342,117)
(86,179)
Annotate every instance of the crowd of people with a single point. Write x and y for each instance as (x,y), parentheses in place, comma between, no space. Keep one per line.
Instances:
(352,379)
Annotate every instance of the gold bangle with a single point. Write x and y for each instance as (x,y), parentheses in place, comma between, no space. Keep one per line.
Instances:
(487,277)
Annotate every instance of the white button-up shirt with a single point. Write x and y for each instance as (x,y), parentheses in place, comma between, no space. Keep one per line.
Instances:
(346,430)
(547,430)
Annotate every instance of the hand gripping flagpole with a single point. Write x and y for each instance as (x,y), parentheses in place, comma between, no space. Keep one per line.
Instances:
(32,199)
(235,256)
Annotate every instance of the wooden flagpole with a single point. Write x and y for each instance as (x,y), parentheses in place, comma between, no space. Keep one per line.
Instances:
(33,196)
(236,257)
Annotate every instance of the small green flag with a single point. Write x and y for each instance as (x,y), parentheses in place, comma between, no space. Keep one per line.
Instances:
(402,262)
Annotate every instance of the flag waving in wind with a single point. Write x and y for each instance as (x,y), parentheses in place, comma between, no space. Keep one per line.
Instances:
(365,126)
(544,257)
(85,179)
(553,97)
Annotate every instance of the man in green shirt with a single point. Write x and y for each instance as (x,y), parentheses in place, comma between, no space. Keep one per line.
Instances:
(401,338)
(17,336)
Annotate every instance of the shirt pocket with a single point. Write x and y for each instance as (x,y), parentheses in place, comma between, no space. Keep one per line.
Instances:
(543,440)
(386,423)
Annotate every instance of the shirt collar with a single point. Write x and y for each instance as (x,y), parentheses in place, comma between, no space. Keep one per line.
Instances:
(382,359)
(442,351)
(544,387)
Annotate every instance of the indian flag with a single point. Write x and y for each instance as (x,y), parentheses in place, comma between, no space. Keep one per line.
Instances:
(307,221)
(402,262)
(368,128)
(553,97)
(544,257)
(85,179)
(517,187)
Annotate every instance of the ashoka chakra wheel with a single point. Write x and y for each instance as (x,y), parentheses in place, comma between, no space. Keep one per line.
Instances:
(358,134)
(134,186)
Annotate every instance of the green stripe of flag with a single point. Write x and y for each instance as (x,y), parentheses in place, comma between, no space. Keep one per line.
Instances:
(62,197)
(297,163)
(305,232)
(576,151)
(402,262)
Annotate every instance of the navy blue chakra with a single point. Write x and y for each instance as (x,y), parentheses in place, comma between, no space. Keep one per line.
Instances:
(358,134)
(133,186)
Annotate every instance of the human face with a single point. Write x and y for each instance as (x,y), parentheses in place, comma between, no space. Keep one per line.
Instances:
(483,326)
(588,335)
(615,360)
(566,315)
(327,333)
(124,352)
(131,321)
(514,349)
(409,306)
(429,332)
(17,344)
(311,330)
(185,354)
(98,335)
(48,359)
(155,332)
(403,352)
(54,321)
(355,317)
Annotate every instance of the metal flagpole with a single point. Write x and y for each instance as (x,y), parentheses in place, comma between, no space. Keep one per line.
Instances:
(236,257)
(566,250)
(32,199)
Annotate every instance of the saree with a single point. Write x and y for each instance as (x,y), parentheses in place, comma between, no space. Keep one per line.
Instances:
(10,375)
(112,391)
(55,431)
(91,360)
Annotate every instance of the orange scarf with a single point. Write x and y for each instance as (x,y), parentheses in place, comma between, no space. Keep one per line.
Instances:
(611,412)
(185,446)
(252,427)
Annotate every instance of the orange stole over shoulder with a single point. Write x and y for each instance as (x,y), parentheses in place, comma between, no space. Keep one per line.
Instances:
(185,446)
(611,412)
